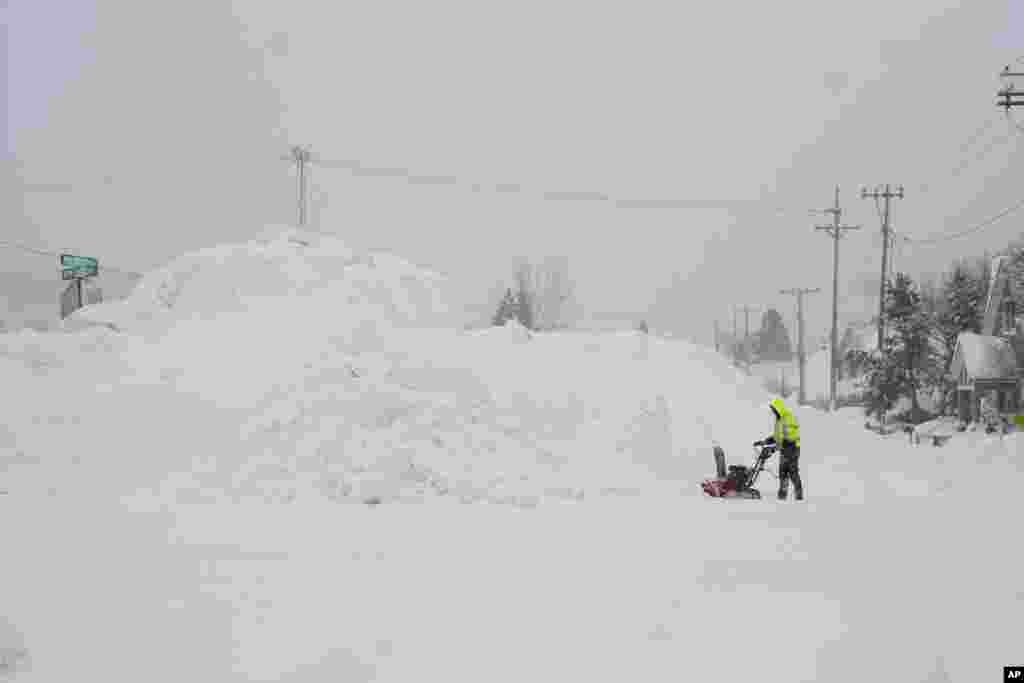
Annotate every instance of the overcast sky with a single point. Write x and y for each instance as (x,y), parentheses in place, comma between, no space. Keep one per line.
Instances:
(137,131)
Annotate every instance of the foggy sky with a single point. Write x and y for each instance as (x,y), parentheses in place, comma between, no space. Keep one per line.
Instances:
(137,133)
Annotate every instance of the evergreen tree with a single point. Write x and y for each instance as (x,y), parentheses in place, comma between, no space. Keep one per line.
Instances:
(906,363)
(964,294)
(772,339)
(526,302)
(848,342)
(1015,265)
(911,332)
(848,365)
(959,308)
(507,309)
(880,379)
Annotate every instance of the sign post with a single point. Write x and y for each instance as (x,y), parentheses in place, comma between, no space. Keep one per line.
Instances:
(76,268)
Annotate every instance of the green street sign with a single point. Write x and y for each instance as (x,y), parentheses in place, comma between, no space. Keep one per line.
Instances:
(79,266)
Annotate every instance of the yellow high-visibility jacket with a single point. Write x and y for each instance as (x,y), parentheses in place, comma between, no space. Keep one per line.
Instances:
(786,427)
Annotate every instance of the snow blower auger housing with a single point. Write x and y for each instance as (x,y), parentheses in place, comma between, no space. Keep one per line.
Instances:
(737,481)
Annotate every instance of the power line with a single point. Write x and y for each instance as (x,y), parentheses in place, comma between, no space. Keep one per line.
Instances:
(357,167)
(970,231)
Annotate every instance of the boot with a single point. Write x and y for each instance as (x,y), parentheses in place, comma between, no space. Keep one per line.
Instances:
(782,494)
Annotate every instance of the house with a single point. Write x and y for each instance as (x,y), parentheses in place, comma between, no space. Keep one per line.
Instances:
(985,364)
(991,364)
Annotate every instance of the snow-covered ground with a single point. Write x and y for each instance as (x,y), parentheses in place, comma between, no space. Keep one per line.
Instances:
(287,461)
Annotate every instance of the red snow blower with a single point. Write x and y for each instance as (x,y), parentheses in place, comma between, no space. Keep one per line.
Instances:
(738,480)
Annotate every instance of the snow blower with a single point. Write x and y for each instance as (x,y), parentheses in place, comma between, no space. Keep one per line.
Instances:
(738,480)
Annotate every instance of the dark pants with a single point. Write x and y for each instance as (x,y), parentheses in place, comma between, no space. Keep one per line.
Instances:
(789,468)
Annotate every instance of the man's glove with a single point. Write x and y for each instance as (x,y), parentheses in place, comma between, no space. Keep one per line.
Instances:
(758,444)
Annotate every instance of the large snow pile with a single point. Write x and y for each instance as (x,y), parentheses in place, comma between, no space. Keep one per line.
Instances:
(498,415)
(337,373)
(171,473)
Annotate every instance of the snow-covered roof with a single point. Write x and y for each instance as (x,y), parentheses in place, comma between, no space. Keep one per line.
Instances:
(984,357)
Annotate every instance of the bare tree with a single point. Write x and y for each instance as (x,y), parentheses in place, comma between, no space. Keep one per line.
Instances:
(546,295)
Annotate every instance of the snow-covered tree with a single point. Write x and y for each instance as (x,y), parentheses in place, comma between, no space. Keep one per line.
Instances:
(1015,266)
(964,292)
(913,328)
(545,294)
(508,309)
(849,361)
(772,339)
(880,378)
(906,363)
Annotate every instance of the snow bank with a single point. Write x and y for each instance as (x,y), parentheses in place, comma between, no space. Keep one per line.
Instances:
(498,415)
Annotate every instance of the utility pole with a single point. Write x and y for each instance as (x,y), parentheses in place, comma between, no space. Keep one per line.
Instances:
(1009,93)
(801,356)
(735,339)
(887,195)
(836,231)
(717,346)
(302,157)
(747,310)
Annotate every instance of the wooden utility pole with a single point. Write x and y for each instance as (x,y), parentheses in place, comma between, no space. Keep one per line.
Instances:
(836,231)
(887,194)
(747,310)
(801,356)
(735,339)
(301,157)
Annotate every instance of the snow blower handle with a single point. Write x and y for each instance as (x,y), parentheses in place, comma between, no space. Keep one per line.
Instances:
(767,448)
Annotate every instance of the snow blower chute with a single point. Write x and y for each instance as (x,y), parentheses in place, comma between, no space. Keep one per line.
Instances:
(738,480)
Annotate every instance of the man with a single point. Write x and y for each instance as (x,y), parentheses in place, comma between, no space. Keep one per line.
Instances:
(786,437)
